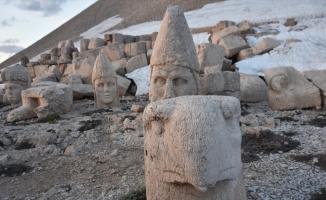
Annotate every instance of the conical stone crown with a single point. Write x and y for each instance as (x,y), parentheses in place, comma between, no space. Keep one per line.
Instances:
(174,45)
(102,67)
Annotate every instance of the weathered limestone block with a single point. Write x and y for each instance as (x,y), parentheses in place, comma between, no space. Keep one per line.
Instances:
(232,30)
(16,79)
(154,36)
(265,45)
(147,37)
(108,38)
(221,83)
(123,85)
(174,62)
(193,149)
(120,66)
(41,69)
(252,88)
(117,37)
(95,43)
(48,77)
(149,55)
(84,44)
(148,45)
(128,39)
(114,52)
(53,69)
(55,51)
(31,71)
(288,89)
(104,81)
(136,63)
(42,101)
(90,54)
(79,89)
(290,22)
(233,44)
(85,70)
(245,27)
(44,57)
(209,55)
(227,63)
(318,78)
(244,54)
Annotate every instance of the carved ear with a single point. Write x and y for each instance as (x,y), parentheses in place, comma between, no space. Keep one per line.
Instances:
(279,82)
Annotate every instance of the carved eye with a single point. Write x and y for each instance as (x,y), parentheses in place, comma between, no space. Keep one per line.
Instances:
(279,82)
(179,81)
(159,81)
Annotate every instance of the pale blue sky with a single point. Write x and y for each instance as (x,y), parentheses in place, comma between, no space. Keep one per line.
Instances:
(23,22)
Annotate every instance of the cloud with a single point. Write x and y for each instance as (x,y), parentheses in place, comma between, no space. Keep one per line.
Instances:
(47,7)
(8,22)
(10,48)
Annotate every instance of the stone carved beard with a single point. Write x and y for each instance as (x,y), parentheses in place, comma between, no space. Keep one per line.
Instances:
(105,92)
(192,148)
(172,81)
(13,92)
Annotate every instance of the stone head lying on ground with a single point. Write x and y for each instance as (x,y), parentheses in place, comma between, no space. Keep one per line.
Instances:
(104,81)
(16,79)
(192,148)
(174,63)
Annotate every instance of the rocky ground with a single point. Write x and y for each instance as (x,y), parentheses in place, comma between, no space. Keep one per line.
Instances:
(98,154)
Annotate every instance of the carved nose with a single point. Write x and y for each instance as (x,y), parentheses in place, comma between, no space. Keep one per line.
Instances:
(169,93)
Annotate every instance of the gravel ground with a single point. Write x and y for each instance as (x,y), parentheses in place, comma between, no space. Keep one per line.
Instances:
(133,12)
(98,154)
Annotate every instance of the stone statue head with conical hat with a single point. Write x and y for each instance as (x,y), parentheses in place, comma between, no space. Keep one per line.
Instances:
(174,63)
(16,79)
(104,81)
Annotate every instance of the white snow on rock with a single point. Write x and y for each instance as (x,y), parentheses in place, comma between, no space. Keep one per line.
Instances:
(141,78)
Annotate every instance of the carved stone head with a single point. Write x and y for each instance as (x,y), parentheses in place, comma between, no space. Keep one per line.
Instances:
(104,81)
(191,144)
(174,63)
(16,79)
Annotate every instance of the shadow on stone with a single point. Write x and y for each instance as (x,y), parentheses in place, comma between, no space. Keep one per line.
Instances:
(139,194)
(318,122)
(267,142)
(321,195)
(248,157)
(14,169)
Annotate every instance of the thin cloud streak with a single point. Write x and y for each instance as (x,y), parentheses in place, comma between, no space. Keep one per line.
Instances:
(47,7)
(8,22)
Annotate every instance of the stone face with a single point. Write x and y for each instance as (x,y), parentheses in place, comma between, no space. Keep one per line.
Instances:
(191,155)
(220,83)
(95,43)
(136,63)
(265,45)
(209,55)
(42,101)
(318,78)
(16,79)
(233,44)
(174,62)
(114,52)
(232,30)
(252,88)
(104,80)
(288,89)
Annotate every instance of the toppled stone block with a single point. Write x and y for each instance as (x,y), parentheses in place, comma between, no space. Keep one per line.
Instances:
(24,60)
(95,43)
(114,52)
(318,78)
(245,27)
(85,70)
(117,37)
(48,77)
(220,83)
(154,36)
(40,70)
(53,69)
(42,101)
(209,55)
(120,66)
(137,108)
(128,39)
(232,30)
(31,71)
(90,54)
(136,63)
(288,89)
(84,44)
(147,37)
(245,53)
(290,22)
(81,91)
(233,44)
(252,88)
(123,85)
(265,45)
